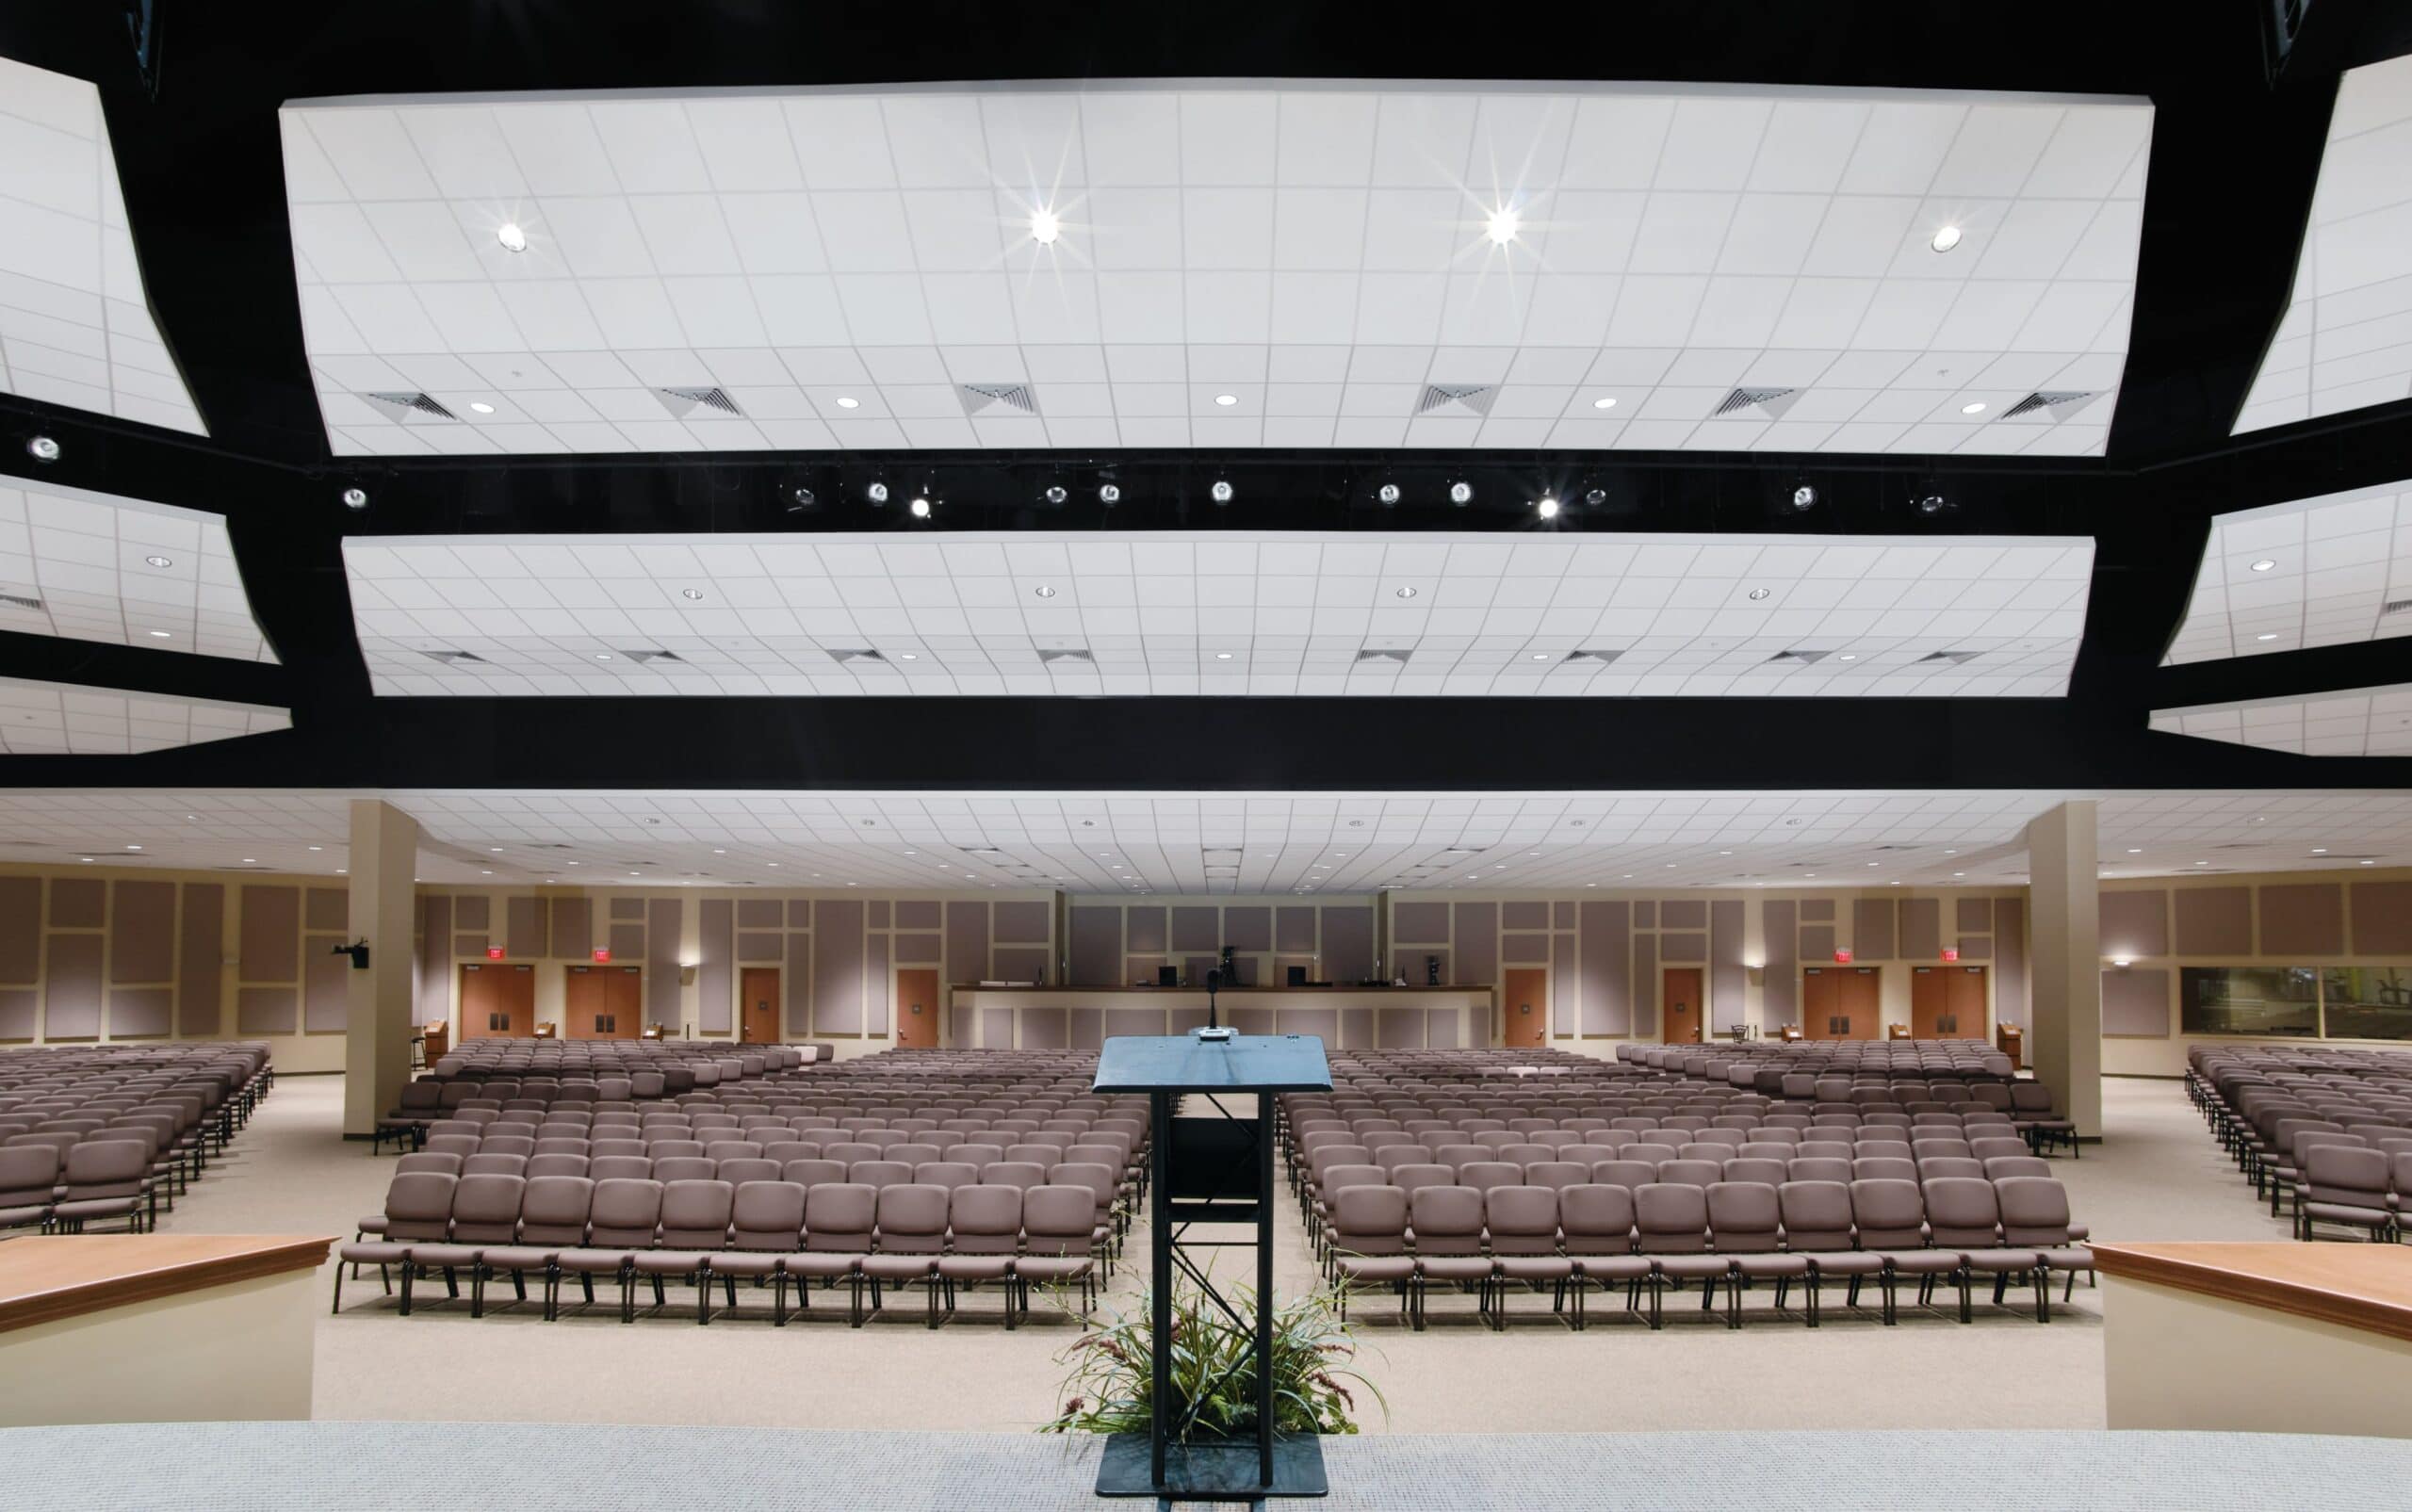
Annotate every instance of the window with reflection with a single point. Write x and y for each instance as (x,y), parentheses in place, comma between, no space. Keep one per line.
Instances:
(2368,1001)
(2250,999)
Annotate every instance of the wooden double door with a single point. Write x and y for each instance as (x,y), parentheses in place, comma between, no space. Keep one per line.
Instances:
(1947,1001)
(1842,1002)
(604,1002)
(498,1000)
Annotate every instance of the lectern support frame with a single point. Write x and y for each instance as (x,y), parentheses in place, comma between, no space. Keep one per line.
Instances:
(1215,1171)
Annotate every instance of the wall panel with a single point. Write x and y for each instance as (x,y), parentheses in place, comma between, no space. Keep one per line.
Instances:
(19,1013)
(141,1013)
(2214,920)
(2135,923)
(1021,921)
(1565,989)
(2383,918)
(626,942)
(71,999)
(1197,928)
(2009,971)
(2305,919)
(1248,927)
(326,910)
(838,968)
(1348,943)
(1780,995)
(917,913)
(142,932)
(1645,986)
(967,941)
(715,966)
(1606,935)
(271,948)
(879,986)
(21,930)
(1097,945)
(326,986)
(523,927)
(76,902)
(1143,930)
(573,930)
(1477,935)
(198,949)
(758,913)
(1922,929)
(1294,930)
(1871,928)
(1727,980)
(264,1011)
(2136,1002)
(795,984)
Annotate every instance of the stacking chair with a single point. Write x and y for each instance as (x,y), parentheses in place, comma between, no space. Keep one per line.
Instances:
(1447,1221)
(1366,1241)
(28,1183)
(485,1213)
(1961,1214)
(1747,1219)
(2036,1215)
(985,1231)
(418,1210)
(1522,1225)
(2343,1185)
(838,1220)
(1890,1216)
(1817,1228)
(625,1216)
(1670,1224)
(912,1232)
(1057,1223)
(105,1179)
(553,1211)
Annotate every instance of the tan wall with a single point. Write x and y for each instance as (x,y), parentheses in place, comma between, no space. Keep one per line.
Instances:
(2233,919)
(101,954)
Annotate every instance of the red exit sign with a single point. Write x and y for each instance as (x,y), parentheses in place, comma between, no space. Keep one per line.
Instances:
(493,953)
(602,954)
(1842,958)
(1951,953)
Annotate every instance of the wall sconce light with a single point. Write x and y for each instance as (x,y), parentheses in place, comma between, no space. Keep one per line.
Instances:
(685,975)
(1757,975)
(2120,961)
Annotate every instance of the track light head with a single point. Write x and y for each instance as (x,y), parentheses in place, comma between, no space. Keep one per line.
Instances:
(1462,494)
(355,498)
(1221,490)
(800,498)
(1546,505)
(43,448)
(1055,494)
(1595,497)
(1389,494)
(876,493)
(1108,493)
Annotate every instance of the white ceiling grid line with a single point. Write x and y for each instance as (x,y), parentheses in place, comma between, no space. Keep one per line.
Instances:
(100,567)
(1238,265)
(1225,613)
(75,324)
(2346,340)
(2356,722)
(68,718)
(2311,571)
(1225,844)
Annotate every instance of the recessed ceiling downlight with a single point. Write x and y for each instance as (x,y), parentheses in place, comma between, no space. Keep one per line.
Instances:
(512,237)
(1227,400)
(1502,225)
(1546,505)
(2263,565)
(847,402)
(1044,592)
(481,407)
(1044,227)
(159,562)
(1946,239)
(1462,494)
(1976,408)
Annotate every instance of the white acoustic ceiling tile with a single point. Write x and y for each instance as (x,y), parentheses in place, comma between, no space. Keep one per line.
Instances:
(1190,216)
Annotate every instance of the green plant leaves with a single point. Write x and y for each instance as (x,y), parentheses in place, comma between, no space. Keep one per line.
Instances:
(1110,1381)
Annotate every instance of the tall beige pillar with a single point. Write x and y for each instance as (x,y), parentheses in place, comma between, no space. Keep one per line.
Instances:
(377,1036)
(2064,1030)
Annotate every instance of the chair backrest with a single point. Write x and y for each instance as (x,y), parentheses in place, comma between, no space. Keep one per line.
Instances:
(416,1160)
(1933,1166)
(1597,1219)
(1692,1173)
(2001,1168)
(2332,1172)
(619,1167)
(1058,1220)
(115,1168)
(1745,1168)
(1745,1216)
(1369,1220)
(626,1213)
(739,1172)
(1484,1174)
(839,1216)
(2034,1210)
(1888,1212)
(1671,1217)
(1023,1174)
(1448,1220)
(1522,1220)
(984,1220)
(1815,1213)
(543,1165)
(1625,1172)
(1884,1168)
(554,1209)
(1960,1212)
(1817,1169)
(948,1174)
(487,1163)
(1557,1174)
(912,1218)
(684,1168)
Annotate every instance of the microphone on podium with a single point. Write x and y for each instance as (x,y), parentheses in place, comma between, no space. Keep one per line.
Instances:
(1214,1029)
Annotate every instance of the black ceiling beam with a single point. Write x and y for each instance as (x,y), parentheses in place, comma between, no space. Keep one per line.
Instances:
(2283,675)
(107,668)
(1208,745)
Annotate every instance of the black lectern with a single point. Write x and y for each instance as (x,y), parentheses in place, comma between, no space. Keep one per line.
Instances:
(1213,1171)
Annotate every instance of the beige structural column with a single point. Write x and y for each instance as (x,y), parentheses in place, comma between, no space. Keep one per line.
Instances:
(376,1034)
(2064,1028)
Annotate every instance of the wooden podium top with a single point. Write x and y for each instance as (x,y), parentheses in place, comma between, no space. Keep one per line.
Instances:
(53,1276)
(2366,1287)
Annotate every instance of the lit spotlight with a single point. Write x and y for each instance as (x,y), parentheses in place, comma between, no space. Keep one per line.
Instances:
(1227,400)
(1932,504)
(921,507)
(1595,497)
(1976,408)
(1502,225)
(43,448)
(1804,498)
(512,237)
(1946,239)
(1547,505)
(1462,494)
(1388,494)
(1221,490)
(2263,565)
(876,493)
(355,499)
(1607,401)
(1109,494)
(1055,494)
(1045,228)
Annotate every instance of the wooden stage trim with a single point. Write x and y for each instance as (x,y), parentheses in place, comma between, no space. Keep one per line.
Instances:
(1334,989)
(2363,1287)
(52,1276)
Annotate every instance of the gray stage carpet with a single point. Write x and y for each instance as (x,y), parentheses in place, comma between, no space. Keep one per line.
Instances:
(367,1467)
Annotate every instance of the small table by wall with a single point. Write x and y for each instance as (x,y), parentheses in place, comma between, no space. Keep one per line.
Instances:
(157,1328)
(2276,1338)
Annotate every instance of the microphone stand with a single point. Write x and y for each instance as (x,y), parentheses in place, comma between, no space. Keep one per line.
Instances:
(1214,1030)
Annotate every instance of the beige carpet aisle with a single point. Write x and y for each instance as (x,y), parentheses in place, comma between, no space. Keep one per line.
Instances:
(2159,1175)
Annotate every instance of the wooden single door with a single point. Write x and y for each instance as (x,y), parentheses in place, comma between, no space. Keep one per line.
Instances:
(1820,992)
(498,1000)
(1681,1012)
(757,1005)
(1963,1002)
(1930,993)
(1525,1008)
(917,1008)
(603,1002)
(1862,1001)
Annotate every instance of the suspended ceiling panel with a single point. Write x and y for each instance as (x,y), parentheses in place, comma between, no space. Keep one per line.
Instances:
(76,325)
(1228,843)
(98,567)
(2314,572)
(2375,722)
(1034,614)
(1233,265)
(68,719)
(2346,341)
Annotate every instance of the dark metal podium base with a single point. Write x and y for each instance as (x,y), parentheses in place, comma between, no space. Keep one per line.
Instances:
(1212,1472)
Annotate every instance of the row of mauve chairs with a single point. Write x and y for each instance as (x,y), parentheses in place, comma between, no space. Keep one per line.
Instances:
(698,1231)
(93,1180)
(1636,1167)
(1732,1233)
(173,1126)
(2365,1191)
(2272,1122)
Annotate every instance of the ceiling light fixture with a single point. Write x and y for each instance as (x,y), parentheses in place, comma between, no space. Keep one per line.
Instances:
(2263,565)
(1547,505)
(691,593)
(1946,239)
(1227,400)
(921,507)
(1848,656)
(1055,494)
(602,656)
(1222,656)
(1044,592)
(480,406)
(1405,593)
(1462,494)
(1607,401)
(159,562)
(1932,504)
(876,492)
(512,238)
(1757,594)
(1805,496)
(2270,636)
(1502,225)
(355,499)
(1541,655)
(1976,408)
(161,635)
(1220,492)
(1044,227)
(43,448)
(800,498)
(909,655)
(1108,493)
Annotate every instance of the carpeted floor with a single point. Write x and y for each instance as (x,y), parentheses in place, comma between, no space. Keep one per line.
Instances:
(320,1467)
(2157,1176)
